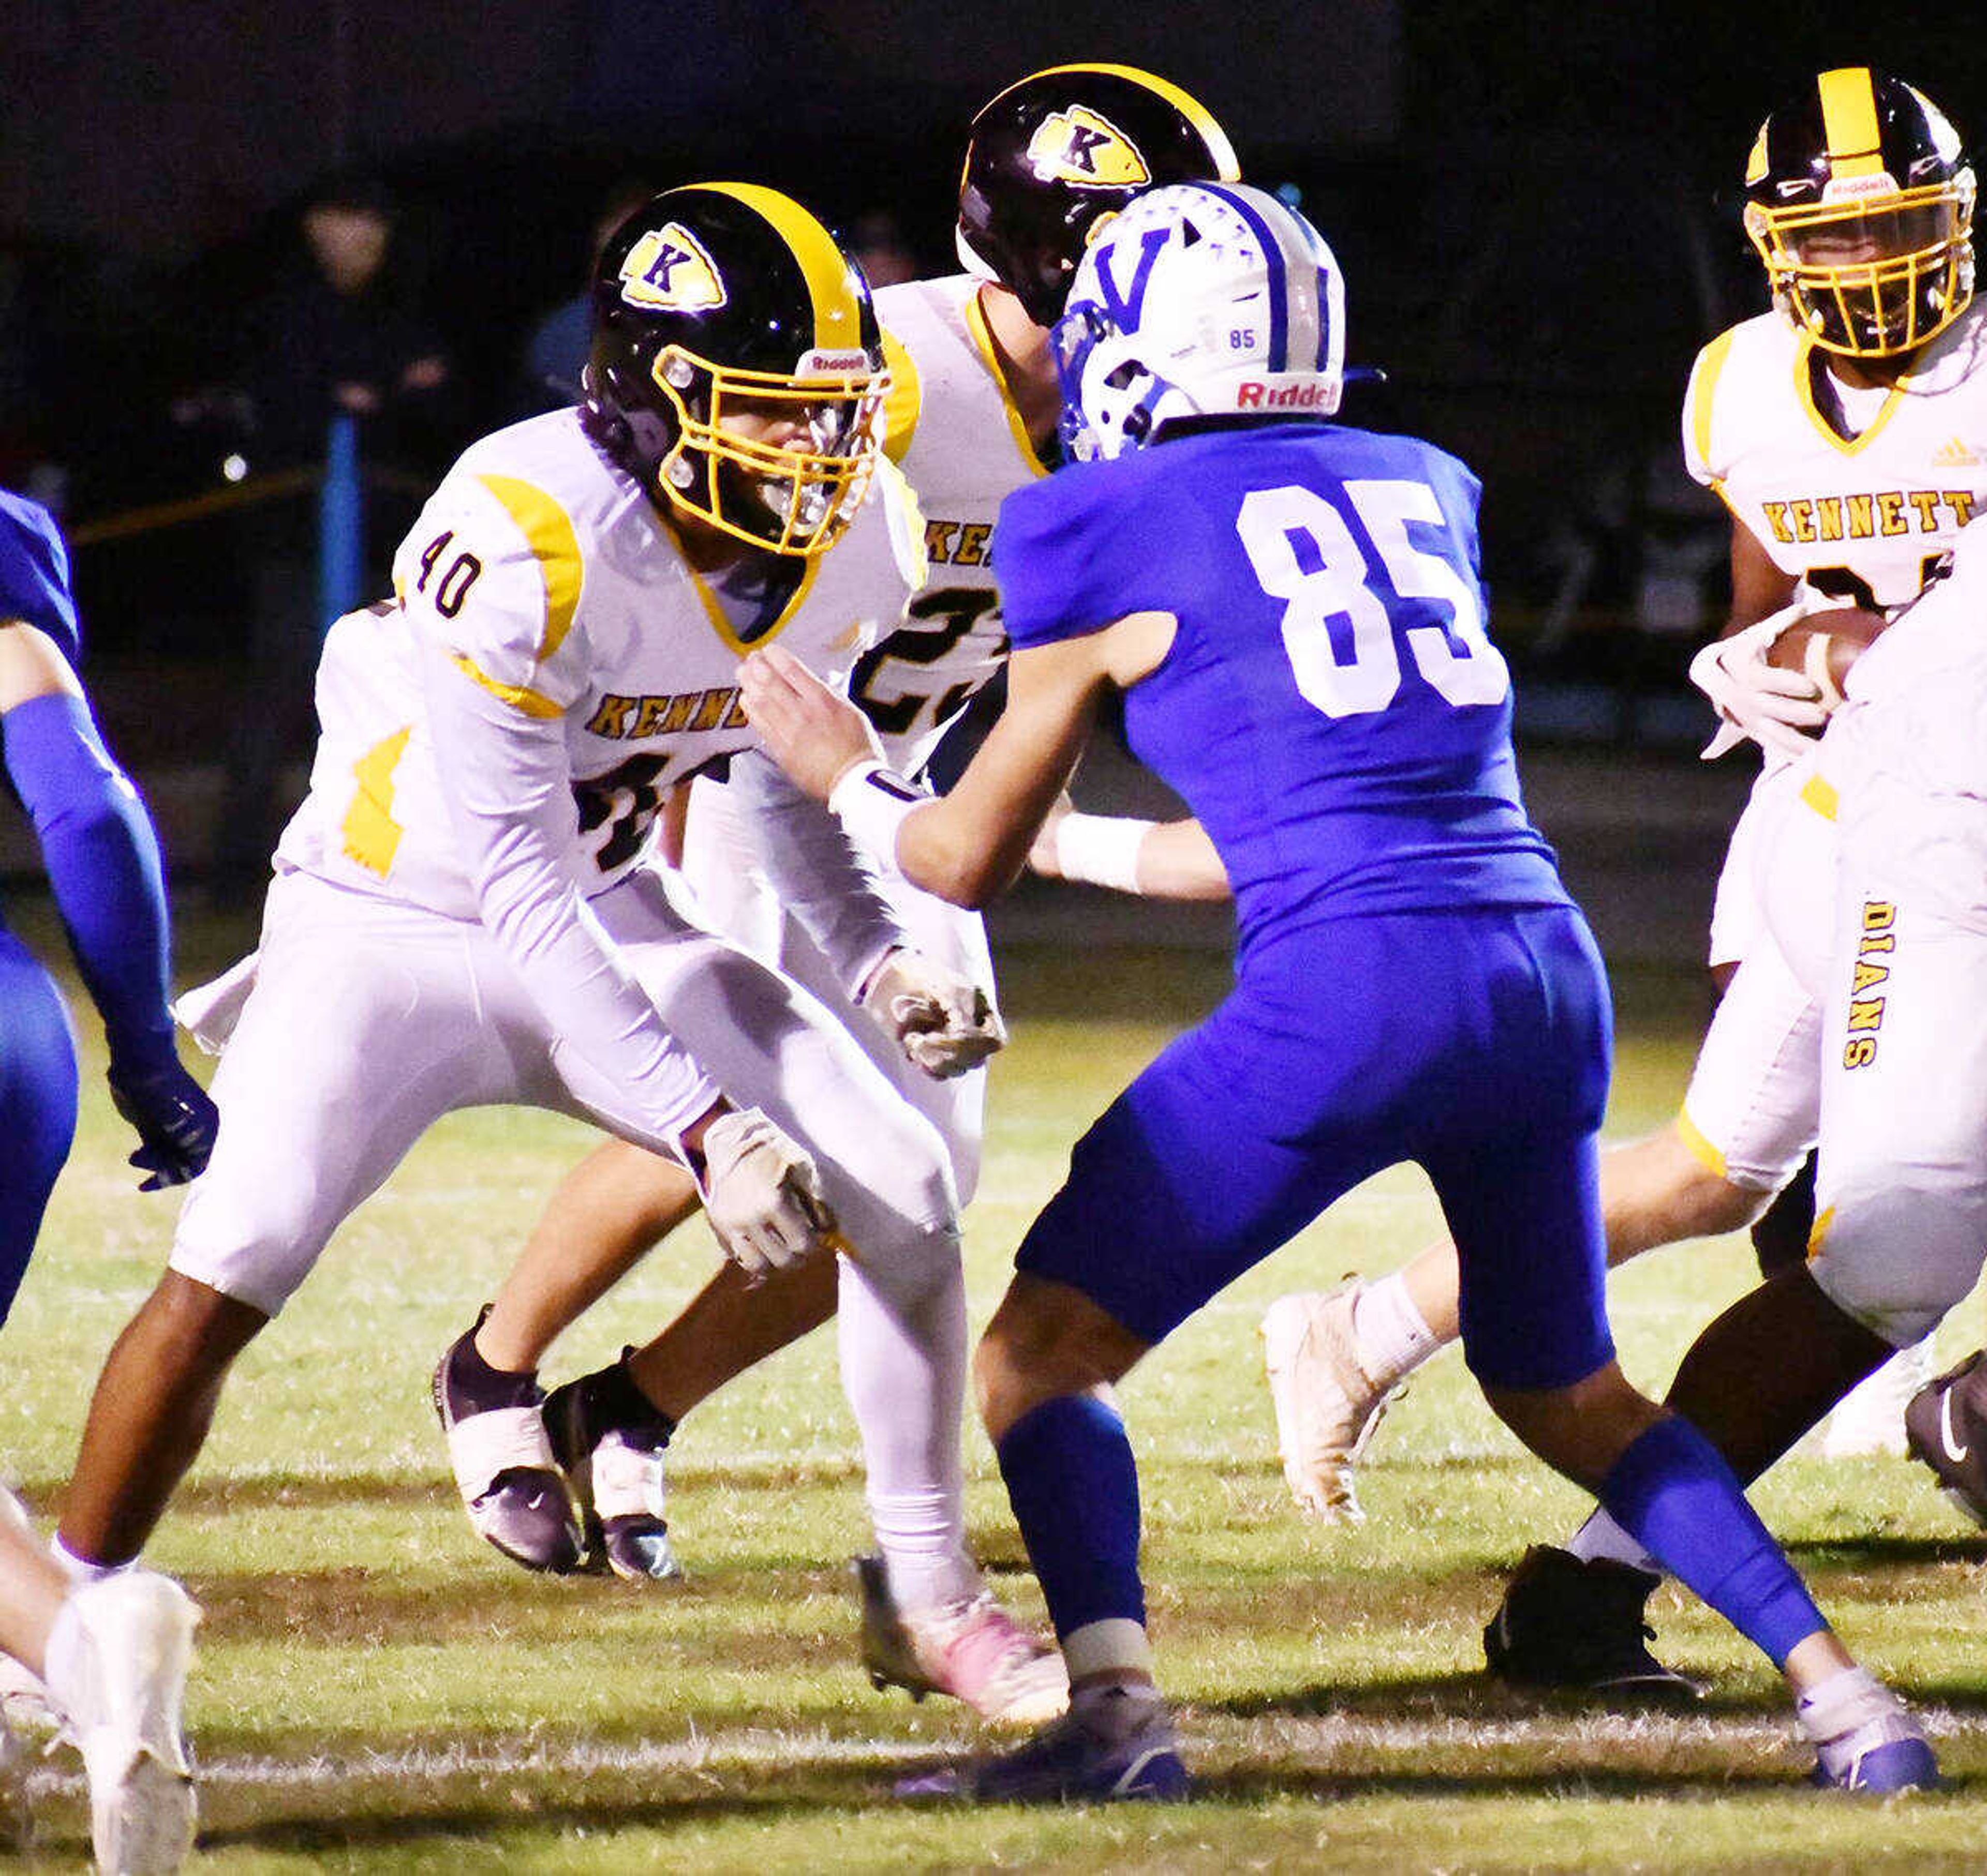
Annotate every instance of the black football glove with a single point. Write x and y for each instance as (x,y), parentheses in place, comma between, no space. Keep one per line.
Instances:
(175,1122)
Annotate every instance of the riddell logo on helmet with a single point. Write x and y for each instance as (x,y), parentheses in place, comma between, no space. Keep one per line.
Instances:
(1252,394)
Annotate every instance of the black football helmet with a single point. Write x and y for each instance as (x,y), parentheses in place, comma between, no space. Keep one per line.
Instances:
(1859,201)
(736,370)
(1050,156)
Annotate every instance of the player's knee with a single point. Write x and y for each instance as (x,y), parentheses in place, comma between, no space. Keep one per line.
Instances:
(1046,1341)
(1898,1274)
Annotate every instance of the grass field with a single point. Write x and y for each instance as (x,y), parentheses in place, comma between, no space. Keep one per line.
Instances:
(378,1690)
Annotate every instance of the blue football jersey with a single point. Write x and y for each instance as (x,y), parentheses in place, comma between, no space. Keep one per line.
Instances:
(34,573)
(1331,707)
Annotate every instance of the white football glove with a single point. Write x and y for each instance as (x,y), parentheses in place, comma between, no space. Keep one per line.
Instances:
(762,1193)
(944,1022)
(1782,711)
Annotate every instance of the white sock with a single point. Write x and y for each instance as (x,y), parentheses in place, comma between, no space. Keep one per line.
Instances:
(80,1570)
(1601,1539)
(1394,1340)
(905,1379)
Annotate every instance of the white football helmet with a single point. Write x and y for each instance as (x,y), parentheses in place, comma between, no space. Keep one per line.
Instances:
(1200,299)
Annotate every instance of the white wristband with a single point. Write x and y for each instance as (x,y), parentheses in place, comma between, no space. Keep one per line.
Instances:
(872,802)
(1101,849)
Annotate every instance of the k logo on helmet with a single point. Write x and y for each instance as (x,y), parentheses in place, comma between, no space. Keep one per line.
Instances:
(1079,147)
(669,272)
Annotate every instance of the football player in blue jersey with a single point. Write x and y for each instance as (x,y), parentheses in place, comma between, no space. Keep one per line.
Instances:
(1293,612)
(114,1653)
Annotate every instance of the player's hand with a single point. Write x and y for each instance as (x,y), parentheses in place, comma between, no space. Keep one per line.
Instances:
(175,1122)
(945,1023)
(1043,857)
(762,1193)
(814,735)
(1782,711)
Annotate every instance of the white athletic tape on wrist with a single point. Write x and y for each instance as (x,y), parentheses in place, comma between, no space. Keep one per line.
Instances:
(1101,849)
(872,802)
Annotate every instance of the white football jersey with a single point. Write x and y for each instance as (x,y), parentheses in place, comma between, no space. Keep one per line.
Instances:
(1906,756)
(1864,517)
(551,580)
(962,445)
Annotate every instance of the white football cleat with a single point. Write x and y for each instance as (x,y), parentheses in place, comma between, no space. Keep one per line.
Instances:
(1870,1418)
(972,1649)
(1328,1406)
(121,1688)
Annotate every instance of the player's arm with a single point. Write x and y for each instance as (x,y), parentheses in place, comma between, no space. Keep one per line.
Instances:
(1155,859)
(816,870)
(102,856)
(507,782)
(969,845)
(1759,587)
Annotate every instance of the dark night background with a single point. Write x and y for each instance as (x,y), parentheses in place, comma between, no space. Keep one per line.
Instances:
(1536,206)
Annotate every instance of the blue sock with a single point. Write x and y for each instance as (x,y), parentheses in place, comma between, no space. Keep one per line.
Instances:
(1074,1488)
(1673,1493)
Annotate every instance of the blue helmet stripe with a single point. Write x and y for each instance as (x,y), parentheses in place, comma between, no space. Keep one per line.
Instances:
(1273,251)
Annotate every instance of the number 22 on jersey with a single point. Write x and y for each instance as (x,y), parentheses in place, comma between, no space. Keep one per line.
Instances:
(1304,554)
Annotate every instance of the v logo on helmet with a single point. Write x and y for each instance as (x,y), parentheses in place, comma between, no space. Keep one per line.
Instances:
(1122,306)
(668,270)
(1079,147)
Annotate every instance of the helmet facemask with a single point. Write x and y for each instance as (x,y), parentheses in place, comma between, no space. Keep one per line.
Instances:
(1871,276)
(795,494)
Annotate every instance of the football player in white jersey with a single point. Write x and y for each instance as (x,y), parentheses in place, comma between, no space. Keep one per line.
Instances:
(972,414)
(1846,431)
(460,915)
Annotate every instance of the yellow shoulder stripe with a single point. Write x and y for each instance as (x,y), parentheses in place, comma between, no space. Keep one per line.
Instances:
(1849,122)
(983,340)
(903,401)
(544,525)
(1704,392)
(1197,113)
(531,702)
(1820,794)
(837,323)
(1701,1150)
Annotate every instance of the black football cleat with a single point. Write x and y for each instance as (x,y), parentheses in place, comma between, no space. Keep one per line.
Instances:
(614,1464)
(1946,1427)
(1570,1624)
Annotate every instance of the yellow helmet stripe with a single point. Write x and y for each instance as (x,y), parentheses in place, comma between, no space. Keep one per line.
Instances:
(1849,122)
(1197,113)
(838,320)
(554,544)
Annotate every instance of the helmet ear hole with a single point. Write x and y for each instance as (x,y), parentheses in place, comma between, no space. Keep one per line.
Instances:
(1122,377)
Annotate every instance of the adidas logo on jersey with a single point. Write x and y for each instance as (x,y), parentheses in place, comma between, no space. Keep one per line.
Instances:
(668,270)
(1953,454)
(1079,147)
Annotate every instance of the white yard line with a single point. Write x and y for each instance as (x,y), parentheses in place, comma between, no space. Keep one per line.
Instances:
(1323,1739)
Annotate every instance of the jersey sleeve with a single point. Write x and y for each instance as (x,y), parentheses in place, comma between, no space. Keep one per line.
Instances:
(493,574)
(1071,558)
(1701,454)
(34,573)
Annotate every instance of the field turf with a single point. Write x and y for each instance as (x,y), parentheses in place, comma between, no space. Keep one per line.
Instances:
(377,1690)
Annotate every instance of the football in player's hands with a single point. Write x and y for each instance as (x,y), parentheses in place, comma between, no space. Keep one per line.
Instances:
(1823,646)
